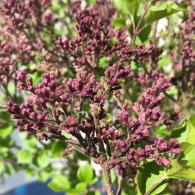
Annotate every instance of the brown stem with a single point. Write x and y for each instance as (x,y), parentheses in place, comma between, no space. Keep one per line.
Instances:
(121,185)
(107,179)
(119,104)
(3,107)
(94,108)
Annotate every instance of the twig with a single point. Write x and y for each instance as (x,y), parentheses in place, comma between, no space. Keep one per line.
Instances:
(94,108)
(118,102)
(136,32)
(120,186)
(3,107)
(107,179)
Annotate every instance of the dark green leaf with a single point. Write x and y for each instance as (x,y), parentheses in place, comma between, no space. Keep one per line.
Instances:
(5,116)
(58,148)
(144,34)
(30,172)
(150,178)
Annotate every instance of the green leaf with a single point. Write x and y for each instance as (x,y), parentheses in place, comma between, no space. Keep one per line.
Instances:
(5,116)
(3,151)
(30,172)
(161,130)
(25,156)
(9,168)
(81,187)
(55,6)
(119,22)
(119,5)
(172,91)
(180,133)
(132,6)
(71,192)
(159,6)
(144,34)
(97,193)
(161,10)
(43,176)
(180,171)
(36,77)
(43,160)
(6,125)
(127,6)
(1,167)
(85,174)
(189,154)
(91,2)
(31,142)
(186,132)
(60,184)
(164,61)
(11,87)
(5,131)
(190,124)
(103,62)
(58,148)
(150,178)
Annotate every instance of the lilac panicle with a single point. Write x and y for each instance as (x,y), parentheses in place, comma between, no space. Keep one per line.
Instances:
(80,105)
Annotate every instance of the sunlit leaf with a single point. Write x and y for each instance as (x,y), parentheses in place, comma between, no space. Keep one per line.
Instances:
(85,174)
(59,183)
(24,156)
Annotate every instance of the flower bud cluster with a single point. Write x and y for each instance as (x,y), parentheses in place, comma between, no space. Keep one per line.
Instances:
(145,53)
(112,133)
(134,156)
(22,14)
(80,105)
(184,58)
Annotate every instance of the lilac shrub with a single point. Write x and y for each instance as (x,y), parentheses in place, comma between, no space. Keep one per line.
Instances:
(99,90)
(80,105)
